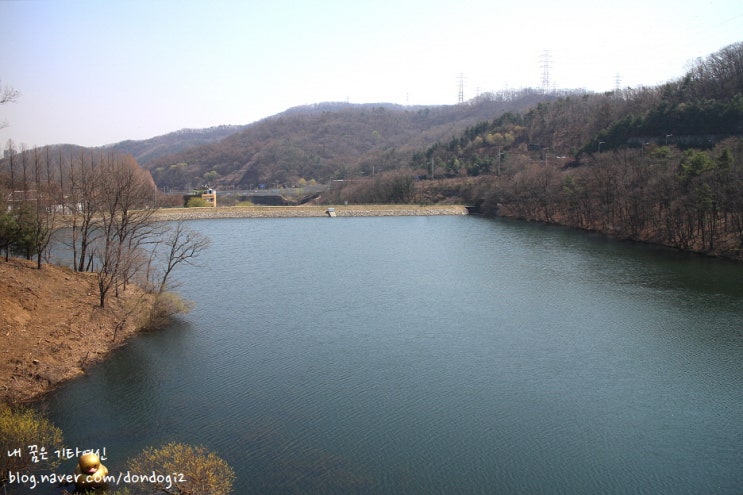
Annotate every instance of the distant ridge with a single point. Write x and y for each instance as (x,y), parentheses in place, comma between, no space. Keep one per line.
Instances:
(321,141)
(174,142)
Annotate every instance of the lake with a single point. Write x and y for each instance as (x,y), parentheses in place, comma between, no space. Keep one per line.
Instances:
(424,355)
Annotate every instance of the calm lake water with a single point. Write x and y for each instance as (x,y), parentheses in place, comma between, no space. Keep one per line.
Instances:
(424,355)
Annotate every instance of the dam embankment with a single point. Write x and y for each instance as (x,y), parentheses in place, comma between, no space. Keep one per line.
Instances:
(168,214)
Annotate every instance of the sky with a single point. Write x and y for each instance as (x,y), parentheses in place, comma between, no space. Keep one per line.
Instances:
(95,73)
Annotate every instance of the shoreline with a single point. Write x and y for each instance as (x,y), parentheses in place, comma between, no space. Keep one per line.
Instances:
(170,214)
(52,329)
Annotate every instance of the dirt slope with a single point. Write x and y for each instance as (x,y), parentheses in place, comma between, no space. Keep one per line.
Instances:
(51,327)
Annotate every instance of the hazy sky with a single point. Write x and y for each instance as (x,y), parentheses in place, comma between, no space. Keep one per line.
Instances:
(95,73)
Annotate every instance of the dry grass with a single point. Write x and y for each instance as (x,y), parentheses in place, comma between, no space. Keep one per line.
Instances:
(51,328)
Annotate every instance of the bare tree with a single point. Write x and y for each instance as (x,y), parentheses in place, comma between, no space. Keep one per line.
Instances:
(7,95)
(181,246)
(83,201)
(125,226)
(44,207)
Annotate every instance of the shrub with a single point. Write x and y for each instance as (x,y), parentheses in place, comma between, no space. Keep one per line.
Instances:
(197,202)
(187,469)
(166,304)
(20,428)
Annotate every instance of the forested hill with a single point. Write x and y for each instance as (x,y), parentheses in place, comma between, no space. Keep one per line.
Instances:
(341,140)
(700,109)
(329,141)
(661,164)
(144,151)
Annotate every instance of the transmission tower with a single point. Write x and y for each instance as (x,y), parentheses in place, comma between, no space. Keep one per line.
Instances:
(618,82)
(545,64)
(460,97)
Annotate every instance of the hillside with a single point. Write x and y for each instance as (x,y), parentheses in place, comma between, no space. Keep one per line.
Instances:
(144,151)
(328,141)
(350,141)
(661,165)
(51,328)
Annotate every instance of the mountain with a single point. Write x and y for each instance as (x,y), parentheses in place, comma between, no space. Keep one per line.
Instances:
(699,110)
(659,164)
(324,141)
(144,151)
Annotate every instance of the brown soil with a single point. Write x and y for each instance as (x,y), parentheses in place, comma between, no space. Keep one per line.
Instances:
(52,329)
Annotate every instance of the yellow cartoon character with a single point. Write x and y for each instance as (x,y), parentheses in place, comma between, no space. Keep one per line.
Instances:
(90,473)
